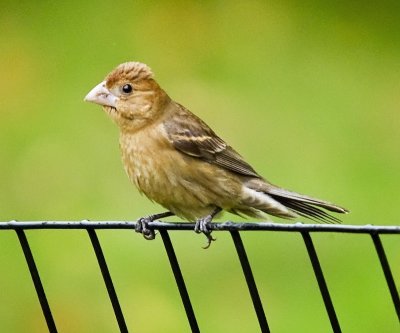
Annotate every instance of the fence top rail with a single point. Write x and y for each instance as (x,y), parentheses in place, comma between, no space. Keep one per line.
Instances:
(225,226)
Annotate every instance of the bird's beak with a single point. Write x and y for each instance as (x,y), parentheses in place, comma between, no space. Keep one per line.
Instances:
(101,95)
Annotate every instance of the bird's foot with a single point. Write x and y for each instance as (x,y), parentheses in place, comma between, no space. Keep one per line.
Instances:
(142,226)
(202,226)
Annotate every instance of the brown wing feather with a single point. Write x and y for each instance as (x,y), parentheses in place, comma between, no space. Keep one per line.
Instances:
(190,135)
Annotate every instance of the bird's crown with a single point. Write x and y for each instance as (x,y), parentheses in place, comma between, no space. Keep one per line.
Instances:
(131,71)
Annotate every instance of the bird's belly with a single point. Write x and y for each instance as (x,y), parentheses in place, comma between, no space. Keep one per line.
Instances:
(188,187)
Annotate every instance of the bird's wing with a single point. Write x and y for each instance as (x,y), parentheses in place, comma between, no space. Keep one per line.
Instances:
(190,135)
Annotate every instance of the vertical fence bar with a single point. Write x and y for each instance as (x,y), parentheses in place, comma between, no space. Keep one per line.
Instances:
(107,280)
(387,271)
(321,282)
(251,284)
(36,281)
(180,281)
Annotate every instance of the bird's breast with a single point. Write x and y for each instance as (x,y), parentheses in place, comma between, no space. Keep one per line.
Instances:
(141,156)
(178,182)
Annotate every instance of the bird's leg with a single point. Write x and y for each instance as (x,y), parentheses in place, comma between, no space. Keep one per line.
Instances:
(142,224)
(202,226)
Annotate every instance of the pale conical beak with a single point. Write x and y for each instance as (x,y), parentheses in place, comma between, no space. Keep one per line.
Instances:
(101,95)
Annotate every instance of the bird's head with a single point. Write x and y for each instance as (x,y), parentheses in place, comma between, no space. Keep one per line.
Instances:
(130,95)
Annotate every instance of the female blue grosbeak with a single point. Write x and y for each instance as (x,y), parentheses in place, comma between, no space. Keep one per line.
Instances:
(175,159)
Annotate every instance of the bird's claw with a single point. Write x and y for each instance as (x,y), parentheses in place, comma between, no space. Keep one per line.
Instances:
(142,226)
(202,226)
(209,240)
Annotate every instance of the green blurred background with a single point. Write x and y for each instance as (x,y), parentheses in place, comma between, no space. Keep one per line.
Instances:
(307,91)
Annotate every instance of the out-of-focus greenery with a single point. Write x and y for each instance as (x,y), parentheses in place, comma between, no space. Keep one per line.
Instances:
(307,91)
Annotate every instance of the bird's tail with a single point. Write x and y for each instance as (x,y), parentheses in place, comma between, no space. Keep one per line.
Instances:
(283,203)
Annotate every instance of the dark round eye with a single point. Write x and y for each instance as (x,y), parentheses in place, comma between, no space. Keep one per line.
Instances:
(127,88)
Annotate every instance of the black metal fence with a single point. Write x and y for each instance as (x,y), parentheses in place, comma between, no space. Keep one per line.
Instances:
(234,229)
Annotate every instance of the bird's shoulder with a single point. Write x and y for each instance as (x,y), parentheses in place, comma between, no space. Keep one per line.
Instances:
(192,136)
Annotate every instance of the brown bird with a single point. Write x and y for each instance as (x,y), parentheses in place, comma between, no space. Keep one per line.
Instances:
(177,160)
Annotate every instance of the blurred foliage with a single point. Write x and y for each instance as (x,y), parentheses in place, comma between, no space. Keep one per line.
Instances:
(307,91)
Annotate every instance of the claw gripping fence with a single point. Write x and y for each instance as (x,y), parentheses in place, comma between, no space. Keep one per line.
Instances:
(234,229)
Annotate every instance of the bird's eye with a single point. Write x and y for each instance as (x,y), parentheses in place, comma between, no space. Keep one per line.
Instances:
(127,88)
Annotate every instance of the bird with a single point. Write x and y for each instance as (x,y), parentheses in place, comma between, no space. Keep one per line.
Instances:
(176,160)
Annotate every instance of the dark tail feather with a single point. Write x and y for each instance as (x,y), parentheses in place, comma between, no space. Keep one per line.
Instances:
(307,206)
(308,211)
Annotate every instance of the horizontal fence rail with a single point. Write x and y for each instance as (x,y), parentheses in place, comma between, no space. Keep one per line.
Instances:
(235,229)
(225,226)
